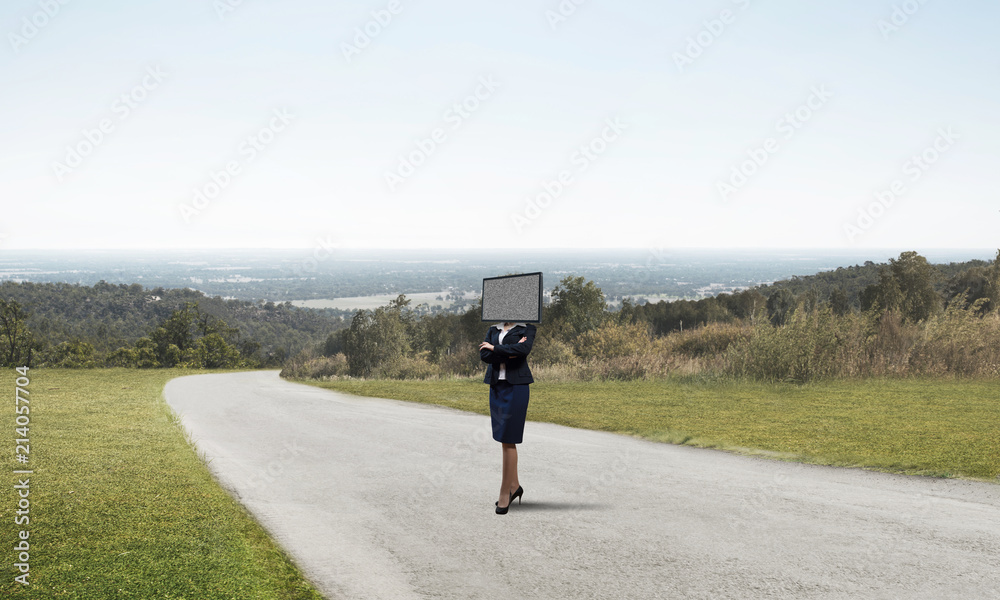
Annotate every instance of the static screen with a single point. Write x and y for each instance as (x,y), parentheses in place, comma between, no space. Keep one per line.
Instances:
(513,298)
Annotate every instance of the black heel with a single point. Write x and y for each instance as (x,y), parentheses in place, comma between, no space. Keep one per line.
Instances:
(502,510)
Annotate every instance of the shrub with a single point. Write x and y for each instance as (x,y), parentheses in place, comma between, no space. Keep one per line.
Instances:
(210,352)
(960,342)
(303,366)
(548,351)
(811,346)
(74,354)
(328,367)
(464,362)
(410,367)
(376,340)
(713,339)
(622,368)
(562,372)
(613,340)
(141,356)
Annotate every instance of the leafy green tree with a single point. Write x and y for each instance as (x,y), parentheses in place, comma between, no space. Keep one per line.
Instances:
(211,352)
(189,338)
(748,305)
(468,330)
(16,341)
(175,335)
(577,306)
(916,279)
(435,335)
(334,343)
(407,316)
(906,287)
(627,314)
(993,284)
(140,356)
(73,354)
(471,328)
(884,296)
(377,339)
(976,283)
(780,306)
(839,302)
(809,300)
(249,351)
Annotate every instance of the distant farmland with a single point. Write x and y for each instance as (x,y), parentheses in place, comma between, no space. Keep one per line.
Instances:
(370,302)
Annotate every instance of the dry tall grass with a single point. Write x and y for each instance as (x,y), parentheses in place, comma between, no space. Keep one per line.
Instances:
(960,342)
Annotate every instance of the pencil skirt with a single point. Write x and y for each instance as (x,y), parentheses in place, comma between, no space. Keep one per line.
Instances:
(508,409)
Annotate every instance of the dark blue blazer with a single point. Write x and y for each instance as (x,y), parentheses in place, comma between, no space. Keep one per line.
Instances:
(517,370)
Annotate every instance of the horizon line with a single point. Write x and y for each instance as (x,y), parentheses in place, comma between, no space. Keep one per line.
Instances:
(509,250)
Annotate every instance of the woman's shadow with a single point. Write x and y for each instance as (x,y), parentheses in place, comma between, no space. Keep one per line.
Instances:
(575,506)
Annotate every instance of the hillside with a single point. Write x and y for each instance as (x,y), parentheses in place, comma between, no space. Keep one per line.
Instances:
(111,316)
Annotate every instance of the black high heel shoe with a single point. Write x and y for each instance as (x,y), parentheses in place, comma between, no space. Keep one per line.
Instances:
(502,510)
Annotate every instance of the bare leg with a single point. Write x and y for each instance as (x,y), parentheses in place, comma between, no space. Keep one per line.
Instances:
(511,453)
(509,482)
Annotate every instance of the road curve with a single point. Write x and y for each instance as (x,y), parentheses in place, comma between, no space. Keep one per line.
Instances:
(385,499)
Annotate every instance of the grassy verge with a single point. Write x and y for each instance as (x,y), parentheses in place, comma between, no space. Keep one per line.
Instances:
(122,507)
(935,427)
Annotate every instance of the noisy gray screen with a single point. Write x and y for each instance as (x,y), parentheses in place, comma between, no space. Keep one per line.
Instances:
(513,298)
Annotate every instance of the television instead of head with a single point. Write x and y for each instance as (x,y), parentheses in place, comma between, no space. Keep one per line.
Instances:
(513,298)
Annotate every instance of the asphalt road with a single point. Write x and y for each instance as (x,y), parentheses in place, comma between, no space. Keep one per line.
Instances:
(384,499)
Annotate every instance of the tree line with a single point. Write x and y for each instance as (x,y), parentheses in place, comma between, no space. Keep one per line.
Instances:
(851,318)
(71,325)
(907,306)
(908,285)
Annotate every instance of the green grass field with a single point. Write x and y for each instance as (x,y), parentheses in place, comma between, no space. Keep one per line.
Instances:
(121,505)
(942,428)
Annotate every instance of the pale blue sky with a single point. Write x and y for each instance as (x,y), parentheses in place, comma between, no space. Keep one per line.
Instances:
(886,97)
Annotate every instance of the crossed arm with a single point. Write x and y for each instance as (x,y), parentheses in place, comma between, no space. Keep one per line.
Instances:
(492,354)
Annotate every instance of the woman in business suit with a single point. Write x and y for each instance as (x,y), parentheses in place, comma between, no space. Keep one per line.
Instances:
(508,376)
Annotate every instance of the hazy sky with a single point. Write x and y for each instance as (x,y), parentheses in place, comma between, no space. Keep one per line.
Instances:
(581,123)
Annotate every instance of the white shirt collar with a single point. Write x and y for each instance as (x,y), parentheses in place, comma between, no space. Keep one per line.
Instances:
(500,325)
